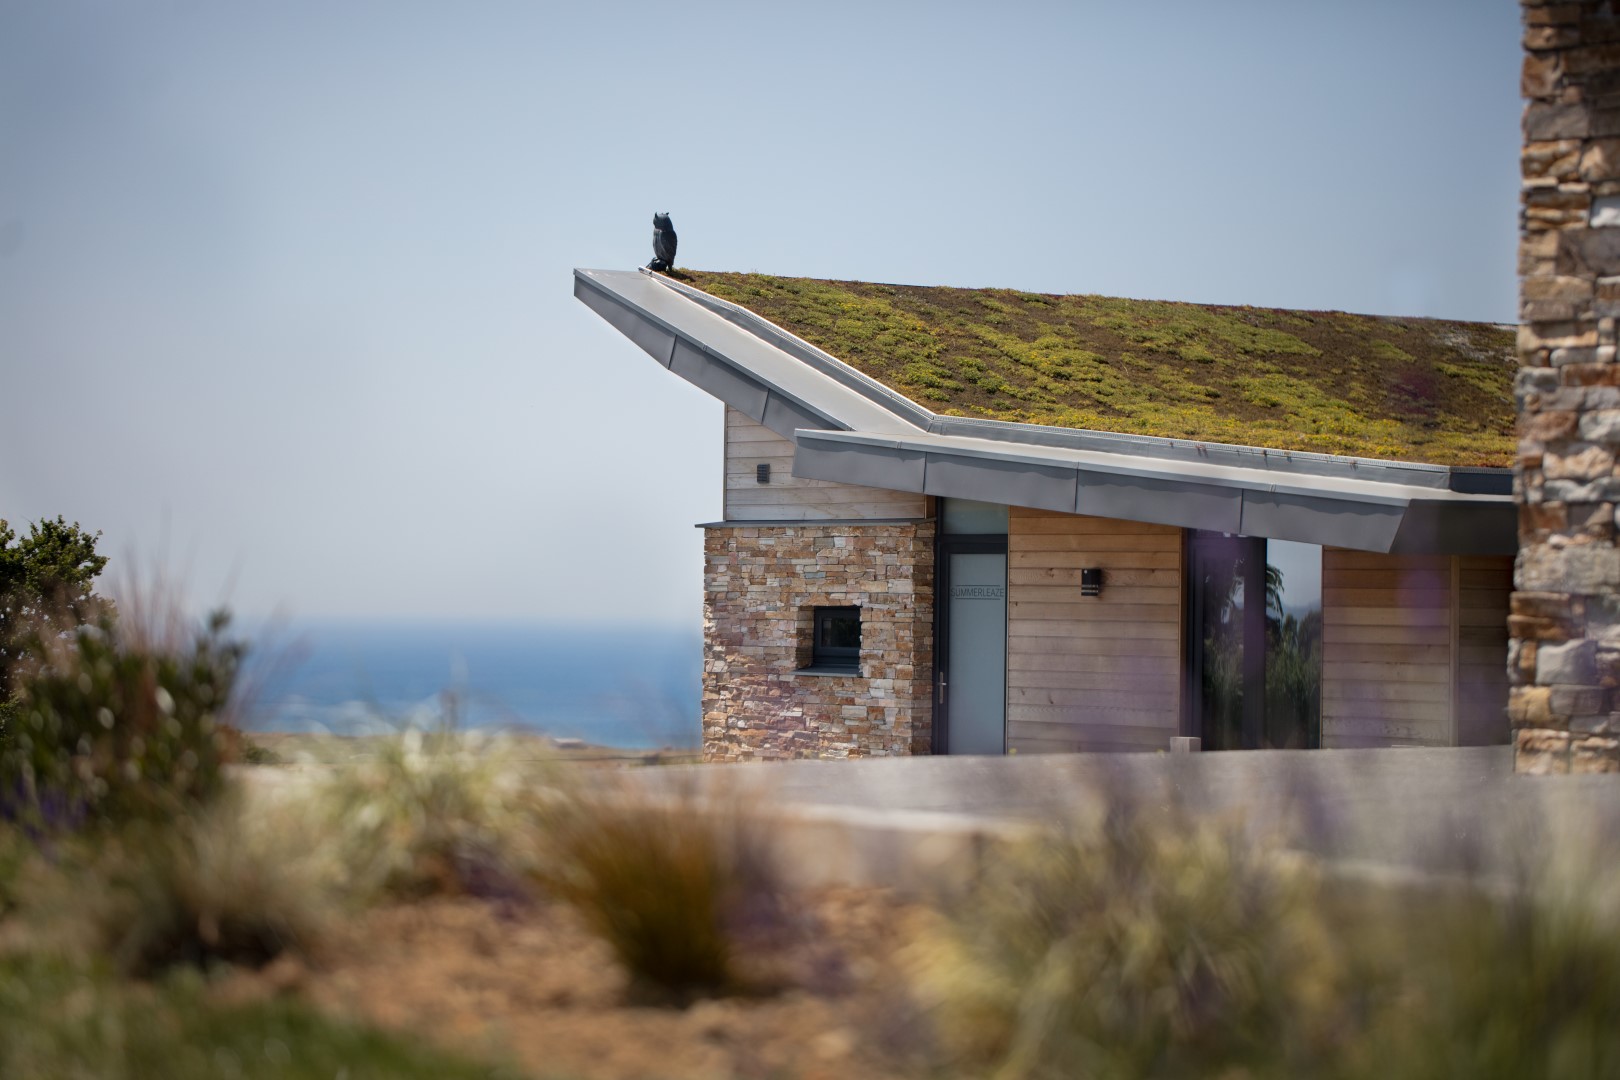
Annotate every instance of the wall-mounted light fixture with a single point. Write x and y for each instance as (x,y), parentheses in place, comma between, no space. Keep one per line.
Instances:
(762,473)
(1091,581)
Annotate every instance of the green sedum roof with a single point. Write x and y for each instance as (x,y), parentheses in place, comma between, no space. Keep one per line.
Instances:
(1424,390)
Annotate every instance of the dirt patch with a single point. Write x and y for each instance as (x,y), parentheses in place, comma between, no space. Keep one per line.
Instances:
(528,984)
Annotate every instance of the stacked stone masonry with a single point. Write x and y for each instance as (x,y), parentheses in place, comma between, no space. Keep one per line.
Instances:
(1564,653)
(761,587)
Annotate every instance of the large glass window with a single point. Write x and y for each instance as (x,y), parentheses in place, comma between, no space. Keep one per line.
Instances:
(1256,642)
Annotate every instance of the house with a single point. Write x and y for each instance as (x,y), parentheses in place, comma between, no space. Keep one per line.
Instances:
(984,521)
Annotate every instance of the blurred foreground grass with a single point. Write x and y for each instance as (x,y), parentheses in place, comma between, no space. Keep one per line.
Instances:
(65,1022)
(1139,942)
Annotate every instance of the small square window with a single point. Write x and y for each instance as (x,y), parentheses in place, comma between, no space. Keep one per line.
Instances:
(836,645)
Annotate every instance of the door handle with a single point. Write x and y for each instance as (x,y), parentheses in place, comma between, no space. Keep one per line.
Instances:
(942,688)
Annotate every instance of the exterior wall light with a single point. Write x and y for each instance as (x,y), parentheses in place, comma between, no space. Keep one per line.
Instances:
(1091,581)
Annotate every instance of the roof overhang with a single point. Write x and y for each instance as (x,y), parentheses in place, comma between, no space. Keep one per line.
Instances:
(1365,514)
(851,429)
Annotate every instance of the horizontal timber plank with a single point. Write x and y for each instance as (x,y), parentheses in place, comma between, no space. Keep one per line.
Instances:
(1406,712)
(1035,665)
(1374,728)
(1164,719)
(1352,671)
(1093,542)
(1080,525)
(1352,692)
(1334,633)
(1387,598)
(1021,644)
(1342,558)
(1124,628)
(1387,654)
(1035,601)
(1118,560)
(1156,701)
(1152,690)
(1089,733)
(1385,579)
(1068,577)
(1494,655)
(1386,616)
(1503,563)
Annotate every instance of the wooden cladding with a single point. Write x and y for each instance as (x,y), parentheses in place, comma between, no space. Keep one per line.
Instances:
(1414,649)
(1092,673)
(786,497)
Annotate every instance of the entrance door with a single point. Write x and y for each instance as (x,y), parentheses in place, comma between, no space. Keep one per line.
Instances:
(971,664)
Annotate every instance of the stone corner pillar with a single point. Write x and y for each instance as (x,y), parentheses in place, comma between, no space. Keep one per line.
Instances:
(1564,626)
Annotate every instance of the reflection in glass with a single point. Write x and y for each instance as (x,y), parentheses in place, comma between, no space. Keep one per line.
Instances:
(1219,569)
(1293,645)
(1284,579)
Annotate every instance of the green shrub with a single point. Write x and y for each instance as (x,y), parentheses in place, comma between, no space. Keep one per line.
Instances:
(121,724)
(438,811)
(673,889)
(1129,949)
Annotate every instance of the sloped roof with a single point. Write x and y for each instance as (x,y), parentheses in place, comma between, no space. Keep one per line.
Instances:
(1404,389)
(849,428)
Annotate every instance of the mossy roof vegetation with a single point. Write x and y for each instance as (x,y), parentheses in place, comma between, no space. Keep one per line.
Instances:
(1425,390)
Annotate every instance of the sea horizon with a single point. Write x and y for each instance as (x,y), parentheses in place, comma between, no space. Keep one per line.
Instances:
(629,685)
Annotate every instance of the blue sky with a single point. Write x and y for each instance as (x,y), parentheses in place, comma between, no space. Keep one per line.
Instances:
(285,296)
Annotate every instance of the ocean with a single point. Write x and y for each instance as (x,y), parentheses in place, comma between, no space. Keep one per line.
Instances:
(628,686)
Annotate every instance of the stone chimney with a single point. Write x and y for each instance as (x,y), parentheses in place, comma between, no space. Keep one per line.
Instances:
(1564,654)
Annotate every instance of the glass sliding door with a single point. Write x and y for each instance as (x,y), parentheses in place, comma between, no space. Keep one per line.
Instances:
(1254,642)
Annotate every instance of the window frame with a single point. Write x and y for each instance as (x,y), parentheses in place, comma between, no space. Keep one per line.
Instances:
(843,659)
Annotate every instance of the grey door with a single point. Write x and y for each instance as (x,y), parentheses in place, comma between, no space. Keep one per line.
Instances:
(973,678)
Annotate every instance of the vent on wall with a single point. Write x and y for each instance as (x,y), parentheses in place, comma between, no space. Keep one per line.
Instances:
(762,473)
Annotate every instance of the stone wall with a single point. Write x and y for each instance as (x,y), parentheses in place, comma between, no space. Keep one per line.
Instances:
(761,585)
(1564,657)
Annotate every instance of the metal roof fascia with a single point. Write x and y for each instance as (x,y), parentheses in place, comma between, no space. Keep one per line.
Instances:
(1230,455)
(727,361)
(654,339)
(795,346)
(1345,514)
(1117,464)
(1472,528)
